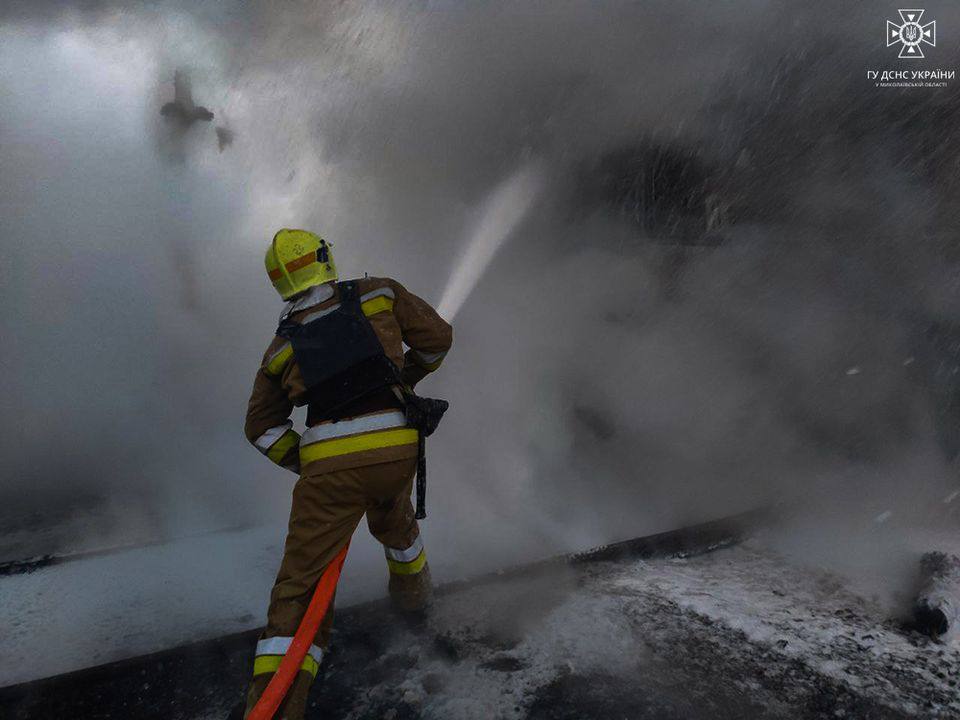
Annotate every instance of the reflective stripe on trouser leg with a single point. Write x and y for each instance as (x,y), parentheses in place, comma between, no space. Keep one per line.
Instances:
(270,652)
(407,561)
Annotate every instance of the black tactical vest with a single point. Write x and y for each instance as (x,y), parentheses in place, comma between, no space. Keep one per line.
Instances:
(340,356)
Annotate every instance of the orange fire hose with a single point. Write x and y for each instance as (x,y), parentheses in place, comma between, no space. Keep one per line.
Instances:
(281,681)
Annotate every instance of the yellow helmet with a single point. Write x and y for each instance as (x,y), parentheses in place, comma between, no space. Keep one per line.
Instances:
(297,260)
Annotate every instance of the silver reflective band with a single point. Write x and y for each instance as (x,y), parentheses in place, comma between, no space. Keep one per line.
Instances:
(384,292)
(319,314)
(266,441)
(366,423)
(315,295)
(430,358)
(408,555)
(280,645)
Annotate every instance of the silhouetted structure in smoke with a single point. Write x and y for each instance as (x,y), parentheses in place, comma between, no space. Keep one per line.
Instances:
(224,137)
(180,115)
(183,109)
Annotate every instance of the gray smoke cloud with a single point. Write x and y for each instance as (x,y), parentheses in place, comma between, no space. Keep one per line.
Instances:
(606,381)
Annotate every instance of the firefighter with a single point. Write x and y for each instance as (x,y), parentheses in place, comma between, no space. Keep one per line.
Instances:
(339,350)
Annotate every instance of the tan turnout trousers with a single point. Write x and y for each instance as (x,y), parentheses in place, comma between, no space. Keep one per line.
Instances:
(326,510)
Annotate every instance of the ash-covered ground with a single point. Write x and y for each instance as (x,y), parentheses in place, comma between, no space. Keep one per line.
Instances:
(737,633)
(741,632)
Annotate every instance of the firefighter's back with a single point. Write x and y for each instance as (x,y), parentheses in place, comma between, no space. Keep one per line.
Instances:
(339,350)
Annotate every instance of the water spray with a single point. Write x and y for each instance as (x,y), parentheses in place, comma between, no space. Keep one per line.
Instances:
(502,212)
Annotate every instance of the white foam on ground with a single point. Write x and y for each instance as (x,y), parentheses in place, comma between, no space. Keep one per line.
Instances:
(611,624)
(97,610)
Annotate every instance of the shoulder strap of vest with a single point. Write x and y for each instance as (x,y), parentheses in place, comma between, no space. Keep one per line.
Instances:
(348,291)
(287,329)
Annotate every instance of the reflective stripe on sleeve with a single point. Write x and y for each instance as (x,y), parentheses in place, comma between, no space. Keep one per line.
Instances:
(276,442)
(266,441)
(278,361)
(429,361)
(377,301)
(430,358)
(386,292)
(282,446)
(377,305)
(405,556)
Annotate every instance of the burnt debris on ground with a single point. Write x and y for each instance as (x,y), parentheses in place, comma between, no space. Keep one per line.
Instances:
(657,627)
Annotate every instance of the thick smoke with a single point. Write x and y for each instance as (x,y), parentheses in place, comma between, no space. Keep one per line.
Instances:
(606,380)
